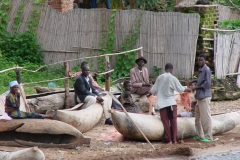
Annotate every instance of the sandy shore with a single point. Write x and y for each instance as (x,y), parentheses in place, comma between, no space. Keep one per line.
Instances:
(129,149)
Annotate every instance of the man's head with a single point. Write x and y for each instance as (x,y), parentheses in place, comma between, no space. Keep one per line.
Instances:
(169,67)
(85,70)
(201,60)
(141,61)
(84,63)
(14,87)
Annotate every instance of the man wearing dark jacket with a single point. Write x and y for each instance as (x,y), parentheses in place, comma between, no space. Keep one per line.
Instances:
(89,95)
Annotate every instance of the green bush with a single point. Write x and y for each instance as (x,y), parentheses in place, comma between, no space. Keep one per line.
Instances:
(21,48)
(229,24)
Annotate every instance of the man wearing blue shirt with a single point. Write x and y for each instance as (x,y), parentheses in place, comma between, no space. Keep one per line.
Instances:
(203,122)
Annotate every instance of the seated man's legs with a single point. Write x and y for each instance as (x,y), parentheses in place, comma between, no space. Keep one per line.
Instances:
(89,100)
(107,103)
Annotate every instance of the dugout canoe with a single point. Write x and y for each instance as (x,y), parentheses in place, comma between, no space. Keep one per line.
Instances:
(152,126)
(83,120)
(40,132)
(26,154)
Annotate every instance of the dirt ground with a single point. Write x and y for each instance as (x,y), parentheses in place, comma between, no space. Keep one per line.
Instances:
(129,149)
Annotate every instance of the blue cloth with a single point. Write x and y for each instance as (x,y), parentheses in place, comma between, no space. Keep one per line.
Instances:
(94,4)
(17,114)
(11,84)
(186,114)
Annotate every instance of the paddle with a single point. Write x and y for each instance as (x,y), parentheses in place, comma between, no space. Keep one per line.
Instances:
(22,89)
(134,123)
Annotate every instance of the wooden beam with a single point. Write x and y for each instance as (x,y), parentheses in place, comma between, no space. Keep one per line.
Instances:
(107,76)
(66,103)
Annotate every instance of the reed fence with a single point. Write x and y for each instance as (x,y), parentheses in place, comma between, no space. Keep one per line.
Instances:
(165,37)
(226,54)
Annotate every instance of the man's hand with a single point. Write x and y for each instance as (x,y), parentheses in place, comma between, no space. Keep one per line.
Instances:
(137,100)
(18,94)
(193,88)
(99,99)
(149,94)
(188,90)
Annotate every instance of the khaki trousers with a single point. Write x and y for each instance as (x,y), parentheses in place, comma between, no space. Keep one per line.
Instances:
(203,121)
(106,104)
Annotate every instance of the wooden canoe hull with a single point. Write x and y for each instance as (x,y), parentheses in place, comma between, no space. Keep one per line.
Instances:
(40,132)
(26,154)
(152,126)
(83,120)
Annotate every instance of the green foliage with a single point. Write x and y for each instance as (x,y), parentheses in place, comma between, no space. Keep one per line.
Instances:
(4,6)
(20,48)
(229,24)
(150,5)
(107,42)
(189,10)
(35,16)
(126,62)
(17,19)
(226,2)
(156,71)
(46,74)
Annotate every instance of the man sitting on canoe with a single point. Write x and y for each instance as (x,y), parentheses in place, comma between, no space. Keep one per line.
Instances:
(164,89)
(94,83)
(12,105)
(140,81)
(89,95)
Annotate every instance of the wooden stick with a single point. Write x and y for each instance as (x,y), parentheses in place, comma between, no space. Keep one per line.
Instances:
(232,74)
(18,77)
(67,105)
(219,30)
(107,76)
(24,97)
(135,125)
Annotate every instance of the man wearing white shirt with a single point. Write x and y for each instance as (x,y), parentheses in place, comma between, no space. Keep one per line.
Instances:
(164,90)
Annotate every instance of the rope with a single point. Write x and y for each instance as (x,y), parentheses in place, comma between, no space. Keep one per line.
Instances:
(112,54)
(62,78)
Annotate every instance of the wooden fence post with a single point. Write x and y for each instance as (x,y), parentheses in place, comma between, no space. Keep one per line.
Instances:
(66,103)
(107,76)
(176,2)
(18,77)
(141,52)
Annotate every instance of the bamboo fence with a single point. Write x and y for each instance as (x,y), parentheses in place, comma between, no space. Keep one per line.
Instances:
(227,54)
(165,37)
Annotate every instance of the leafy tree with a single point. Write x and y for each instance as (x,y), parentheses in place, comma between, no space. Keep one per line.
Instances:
(21,48)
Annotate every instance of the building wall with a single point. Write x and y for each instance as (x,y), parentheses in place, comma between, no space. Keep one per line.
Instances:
(61,5)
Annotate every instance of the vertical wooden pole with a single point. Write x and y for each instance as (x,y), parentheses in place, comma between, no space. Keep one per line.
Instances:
(19,80)
(66,103)
(141,52)
(107,76)
(176,2)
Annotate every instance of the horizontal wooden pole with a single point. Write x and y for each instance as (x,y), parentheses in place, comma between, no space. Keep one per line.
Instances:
(232,74)
(219,30)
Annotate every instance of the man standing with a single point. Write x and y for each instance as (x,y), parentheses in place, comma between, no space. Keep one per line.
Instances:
(88,94)
(203,122)
(164,89)
(140,80)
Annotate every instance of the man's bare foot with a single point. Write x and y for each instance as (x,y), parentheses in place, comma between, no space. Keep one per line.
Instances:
(52,115)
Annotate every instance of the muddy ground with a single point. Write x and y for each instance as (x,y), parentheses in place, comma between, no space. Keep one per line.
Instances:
(128,149)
